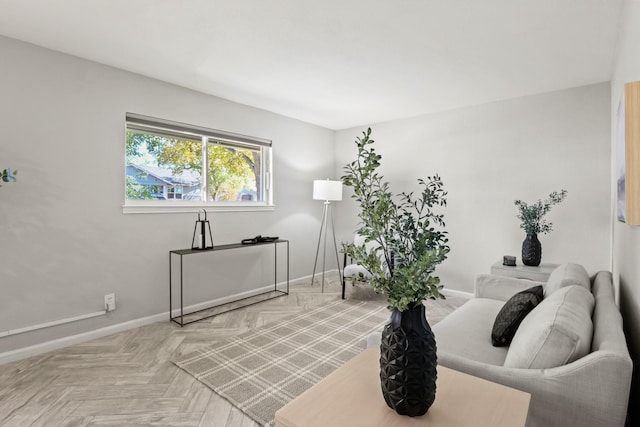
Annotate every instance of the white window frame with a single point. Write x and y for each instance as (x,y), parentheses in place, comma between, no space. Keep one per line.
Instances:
(150,124)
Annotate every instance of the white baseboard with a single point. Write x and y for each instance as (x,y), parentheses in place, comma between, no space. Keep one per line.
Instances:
(37,349)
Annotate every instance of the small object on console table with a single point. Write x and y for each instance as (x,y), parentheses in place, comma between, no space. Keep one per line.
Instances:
(509,260)
(200,241)
(259,239)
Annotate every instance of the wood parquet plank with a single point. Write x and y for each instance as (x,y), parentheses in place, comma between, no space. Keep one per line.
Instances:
(196,399)
(127,379)
(216,413)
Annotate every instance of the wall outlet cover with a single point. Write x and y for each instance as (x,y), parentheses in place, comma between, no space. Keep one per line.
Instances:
(110,302)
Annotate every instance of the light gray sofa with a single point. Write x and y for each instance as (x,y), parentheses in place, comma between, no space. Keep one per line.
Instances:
(569,352)
(577,371)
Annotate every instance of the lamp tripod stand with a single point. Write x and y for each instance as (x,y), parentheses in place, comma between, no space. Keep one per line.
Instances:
(327,212)
(328,191)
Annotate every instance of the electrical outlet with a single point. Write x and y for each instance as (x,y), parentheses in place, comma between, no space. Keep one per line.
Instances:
(110,302)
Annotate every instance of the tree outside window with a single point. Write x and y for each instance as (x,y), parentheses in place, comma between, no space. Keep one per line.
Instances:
(163,164)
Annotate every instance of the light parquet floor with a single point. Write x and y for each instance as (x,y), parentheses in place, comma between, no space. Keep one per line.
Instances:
(127,379)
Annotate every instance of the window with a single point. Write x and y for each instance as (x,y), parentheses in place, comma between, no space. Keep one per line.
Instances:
(171,164)
(174,192)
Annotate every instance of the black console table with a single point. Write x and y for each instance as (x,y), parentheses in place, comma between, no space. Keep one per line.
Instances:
(183,252)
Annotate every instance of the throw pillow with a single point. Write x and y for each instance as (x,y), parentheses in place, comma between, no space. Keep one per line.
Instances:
(513,313)
(558,331)
(567,275)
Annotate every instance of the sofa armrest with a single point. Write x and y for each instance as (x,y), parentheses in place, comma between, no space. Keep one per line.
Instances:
(500,287)
(593,390)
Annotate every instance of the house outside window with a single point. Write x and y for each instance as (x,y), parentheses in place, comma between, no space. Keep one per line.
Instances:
(180,167)
(174,192)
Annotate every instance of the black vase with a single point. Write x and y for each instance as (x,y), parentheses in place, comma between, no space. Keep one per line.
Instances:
(408,362)
(531,250)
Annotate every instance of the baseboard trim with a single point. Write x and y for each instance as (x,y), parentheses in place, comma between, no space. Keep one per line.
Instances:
(37,349)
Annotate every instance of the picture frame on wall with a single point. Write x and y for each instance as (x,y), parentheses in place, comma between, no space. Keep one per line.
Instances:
(628,146)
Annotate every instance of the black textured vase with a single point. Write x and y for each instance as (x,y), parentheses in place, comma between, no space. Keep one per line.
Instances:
(408,362)
(531,250)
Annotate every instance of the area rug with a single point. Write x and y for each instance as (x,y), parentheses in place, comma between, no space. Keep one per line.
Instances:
(261,370)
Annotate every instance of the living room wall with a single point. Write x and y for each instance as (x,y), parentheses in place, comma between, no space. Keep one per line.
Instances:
(488,156)
(626,239)
(65,241)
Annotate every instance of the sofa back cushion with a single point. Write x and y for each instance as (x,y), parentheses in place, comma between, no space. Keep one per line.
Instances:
(558,331)
(567,275)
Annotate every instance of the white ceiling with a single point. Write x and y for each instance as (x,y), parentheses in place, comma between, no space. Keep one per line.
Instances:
(336,63)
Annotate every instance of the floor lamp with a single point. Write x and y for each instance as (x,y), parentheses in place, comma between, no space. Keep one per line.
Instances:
(328,191)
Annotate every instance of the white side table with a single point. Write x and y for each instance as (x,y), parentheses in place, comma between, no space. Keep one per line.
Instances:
(539,274)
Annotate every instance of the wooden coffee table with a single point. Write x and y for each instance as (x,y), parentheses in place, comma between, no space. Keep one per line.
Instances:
(351,396)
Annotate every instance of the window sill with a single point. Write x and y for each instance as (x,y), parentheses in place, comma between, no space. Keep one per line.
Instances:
(164,208)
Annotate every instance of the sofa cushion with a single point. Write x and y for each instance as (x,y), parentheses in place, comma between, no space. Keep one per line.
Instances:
(513,313)
(467,332)
(567,275)
(355,270)
(558,331)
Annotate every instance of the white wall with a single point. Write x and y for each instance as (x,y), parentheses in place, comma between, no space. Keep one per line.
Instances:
(492,154)
(626,239)
(64,239)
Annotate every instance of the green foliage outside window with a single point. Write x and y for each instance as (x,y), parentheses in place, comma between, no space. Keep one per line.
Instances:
(137,191)
(230,170)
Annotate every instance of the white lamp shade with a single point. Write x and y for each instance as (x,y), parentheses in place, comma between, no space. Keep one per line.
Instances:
(327,190)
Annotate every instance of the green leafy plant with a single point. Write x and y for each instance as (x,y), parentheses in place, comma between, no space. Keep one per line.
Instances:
(404,236)
(532,216)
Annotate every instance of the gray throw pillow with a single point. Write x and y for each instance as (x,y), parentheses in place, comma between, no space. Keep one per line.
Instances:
(513,313)
(558,331)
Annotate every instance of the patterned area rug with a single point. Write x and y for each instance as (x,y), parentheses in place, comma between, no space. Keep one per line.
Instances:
(261,370)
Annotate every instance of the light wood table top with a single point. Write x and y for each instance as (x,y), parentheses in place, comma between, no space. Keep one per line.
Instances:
(351,396)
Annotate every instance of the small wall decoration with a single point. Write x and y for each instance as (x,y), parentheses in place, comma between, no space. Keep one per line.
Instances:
(8,175)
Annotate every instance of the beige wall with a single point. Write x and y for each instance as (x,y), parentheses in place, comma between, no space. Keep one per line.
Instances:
(492,154)
(626,239)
